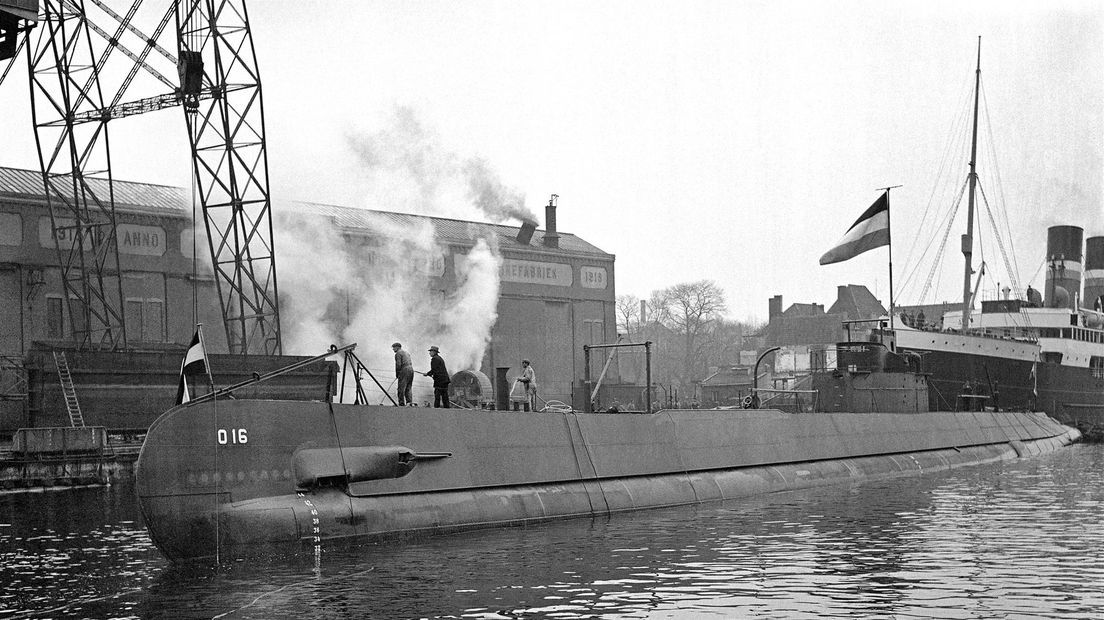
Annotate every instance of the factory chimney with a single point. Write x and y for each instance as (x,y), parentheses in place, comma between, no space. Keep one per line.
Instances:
(551,237)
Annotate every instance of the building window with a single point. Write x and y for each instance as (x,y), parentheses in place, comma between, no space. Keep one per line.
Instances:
(80,322)
(145,319)
(55,317)
(153,321)
(595,332)
(133,318)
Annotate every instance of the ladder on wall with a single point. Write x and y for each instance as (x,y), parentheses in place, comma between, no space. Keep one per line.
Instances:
(70,392)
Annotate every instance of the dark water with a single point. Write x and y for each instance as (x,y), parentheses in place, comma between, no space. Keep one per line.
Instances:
(1022,539)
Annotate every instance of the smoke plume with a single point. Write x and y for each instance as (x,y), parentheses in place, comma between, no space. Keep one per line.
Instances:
(406,167)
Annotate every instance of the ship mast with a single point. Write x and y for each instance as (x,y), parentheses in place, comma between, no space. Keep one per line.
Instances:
(968,238)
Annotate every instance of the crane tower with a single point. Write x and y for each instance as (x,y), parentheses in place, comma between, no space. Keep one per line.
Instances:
(79,84)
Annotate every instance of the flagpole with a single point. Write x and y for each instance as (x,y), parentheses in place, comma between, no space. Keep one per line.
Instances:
(207,362)
(889,226)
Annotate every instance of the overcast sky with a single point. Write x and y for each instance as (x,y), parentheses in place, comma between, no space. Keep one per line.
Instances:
(734,141)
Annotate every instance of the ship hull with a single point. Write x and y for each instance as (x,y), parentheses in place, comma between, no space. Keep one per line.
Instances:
(229,478)
(998,383)
(1004,374)
(1073,396)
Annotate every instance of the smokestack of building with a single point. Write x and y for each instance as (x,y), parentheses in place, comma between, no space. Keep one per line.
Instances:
(774,307)
(551,237)
(525,233)
(1063,279)
(1094,274)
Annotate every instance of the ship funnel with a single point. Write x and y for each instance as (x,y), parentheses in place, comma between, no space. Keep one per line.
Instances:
(1094,274)
(1063,265)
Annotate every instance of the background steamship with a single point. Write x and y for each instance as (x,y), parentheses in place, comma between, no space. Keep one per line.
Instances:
(1043,353)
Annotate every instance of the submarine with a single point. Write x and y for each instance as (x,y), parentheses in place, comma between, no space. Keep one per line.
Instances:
(220,478)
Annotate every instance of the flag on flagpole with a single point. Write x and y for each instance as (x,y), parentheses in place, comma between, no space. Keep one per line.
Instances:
(194,363)
(870,231)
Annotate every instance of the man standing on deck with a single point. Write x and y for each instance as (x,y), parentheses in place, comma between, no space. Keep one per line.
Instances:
(528,378)
(440,376)
(404,373)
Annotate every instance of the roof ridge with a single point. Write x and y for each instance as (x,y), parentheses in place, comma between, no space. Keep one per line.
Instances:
(113,179)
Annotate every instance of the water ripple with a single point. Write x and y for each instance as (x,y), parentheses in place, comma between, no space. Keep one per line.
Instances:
(1017,540)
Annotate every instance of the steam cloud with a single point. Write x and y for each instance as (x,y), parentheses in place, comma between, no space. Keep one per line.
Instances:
(382,293)
(377,289)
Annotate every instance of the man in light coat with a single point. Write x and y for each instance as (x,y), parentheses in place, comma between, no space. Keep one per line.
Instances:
(404,373)
(528,378)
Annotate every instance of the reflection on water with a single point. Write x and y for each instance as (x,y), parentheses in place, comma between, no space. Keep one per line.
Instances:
(1020,539)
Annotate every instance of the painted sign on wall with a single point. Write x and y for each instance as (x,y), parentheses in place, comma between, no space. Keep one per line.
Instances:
(592,277)
(532,272)
(133,238)
(425,264)
(11,229)
(142,240)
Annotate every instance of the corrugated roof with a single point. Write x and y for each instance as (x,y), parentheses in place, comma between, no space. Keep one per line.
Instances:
(447,229)
(168,200)
(145,197)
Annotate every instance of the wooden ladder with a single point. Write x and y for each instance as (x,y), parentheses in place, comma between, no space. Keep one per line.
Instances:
(70,392)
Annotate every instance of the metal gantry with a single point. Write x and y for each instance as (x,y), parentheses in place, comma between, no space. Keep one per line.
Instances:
(230,164)
(220,89)
(64,78)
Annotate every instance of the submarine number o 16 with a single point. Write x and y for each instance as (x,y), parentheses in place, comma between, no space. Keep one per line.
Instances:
(232,436)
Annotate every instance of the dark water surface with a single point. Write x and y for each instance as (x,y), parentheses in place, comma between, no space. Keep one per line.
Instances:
(1021,539)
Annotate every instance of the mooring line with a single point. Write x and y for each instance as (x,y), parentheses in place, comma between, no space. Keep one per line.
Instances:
(594,469)
(575,453)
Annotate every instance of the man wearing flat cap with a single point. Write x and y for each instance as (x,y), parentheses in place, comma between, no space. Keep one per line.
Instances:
(440,376)
(404,373)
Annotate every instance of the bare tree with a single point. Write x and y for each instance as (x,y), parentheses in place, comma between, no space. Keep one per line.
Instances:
(628,314)
(691,310)
(723,344)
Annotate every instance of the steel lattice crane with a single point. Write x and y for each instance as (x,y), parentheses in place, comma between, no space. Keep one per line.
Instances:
(78,85)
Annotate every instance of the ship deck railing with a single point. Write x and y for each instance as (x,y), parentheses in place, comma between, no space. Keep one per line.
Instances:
(790,401)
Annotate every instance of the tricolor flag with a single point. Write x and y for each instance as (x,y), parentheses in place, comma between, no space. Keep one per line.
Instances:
(195,363)
(870,231)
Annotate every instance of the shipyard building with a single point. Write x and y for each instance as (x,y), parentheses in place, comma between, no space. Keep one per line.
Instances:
(555,294)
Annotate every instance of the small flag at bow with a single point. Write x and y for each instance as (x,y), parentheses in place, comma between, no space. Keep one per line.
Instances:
(870,231)
(194,363)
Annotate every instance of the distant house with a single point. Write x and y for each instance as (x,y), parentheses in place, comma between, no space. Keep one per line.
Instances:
(726,387)
(857,303)
(808,323)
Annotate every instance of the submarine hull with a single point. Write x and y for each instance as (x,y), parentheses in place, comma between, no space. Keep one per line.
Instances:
(228,478)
